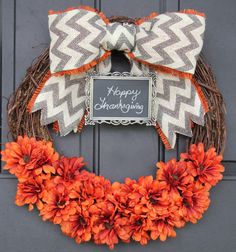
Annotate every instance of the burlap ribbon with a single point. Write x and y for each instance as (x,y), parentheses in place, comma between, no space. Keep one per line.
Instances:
(82,38)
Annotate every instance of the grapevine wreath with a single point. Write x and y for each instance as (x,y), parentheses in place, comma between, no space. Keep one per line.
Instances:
(90,207)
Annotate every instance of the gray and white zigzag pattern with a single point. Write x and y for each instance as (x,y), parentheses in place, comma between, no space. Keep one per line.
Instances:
(177,104)
(120,37)
(62,99)
(78,37)
(75,36)
(174,40)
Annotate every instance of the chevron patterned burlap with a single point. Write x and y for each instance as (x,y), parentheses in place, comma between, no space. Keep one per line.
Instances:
(62,99)
(82,38)
(177,104)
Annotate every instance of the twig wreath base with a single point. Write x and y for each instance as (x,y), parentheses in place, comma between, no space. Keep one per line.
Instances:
(22,123)
(90,207)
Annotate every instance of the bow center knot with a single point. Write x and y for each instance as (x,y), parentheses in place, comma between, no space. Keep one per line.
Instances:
(119,37)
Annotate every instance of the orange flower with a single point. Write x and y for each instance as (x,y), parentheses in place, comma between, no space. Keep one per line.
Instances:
(134,196)
(68,169)
(97,188)
(154,198)
(104,228)
(30,192)
(78,226)
(88,186)
(140,226)
(123,227)
(206,166)
(195,201)
(28,157)
(163,227)
(16,155)
(123,197)
(77,188)
(57,205)
(175,176)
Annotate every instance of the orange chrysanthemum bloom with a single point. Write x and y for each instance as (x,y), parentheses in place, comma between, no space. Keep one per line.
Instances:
(28,157)
(68,169)
(88,186)
(123,227)
(195,201)
(131,200)
(206,166)
(97,188)
(120,193)
(162,230)
(123,197)
(134,196)
(104,228)
(154,198)
(30,192)
(175,175)
(140,226)
(57,205)
(163,227)
(77,188)
(78,226)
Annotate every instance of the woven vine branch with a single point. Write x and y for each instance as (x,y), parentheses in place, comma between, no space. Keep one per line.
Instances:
(22,123)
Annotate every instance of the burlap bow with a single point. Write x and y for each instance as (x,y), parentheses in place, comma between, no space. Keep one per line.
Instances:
(82,38)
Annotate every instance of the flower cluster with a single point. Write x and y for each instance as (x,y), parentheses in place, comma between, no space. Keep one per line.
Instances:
(90,207)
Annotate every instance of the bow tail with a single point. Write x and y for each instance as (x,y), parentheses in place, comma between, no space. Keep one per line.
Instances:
(61,101)
(178,103)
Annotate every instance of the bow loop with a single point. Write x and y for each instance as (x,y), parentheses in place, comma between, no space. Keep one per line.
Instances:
(76,36)
(171,40)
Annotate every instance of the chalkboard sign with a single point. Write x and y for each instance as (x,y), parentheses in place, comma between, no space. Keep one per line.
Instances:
(120,98)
